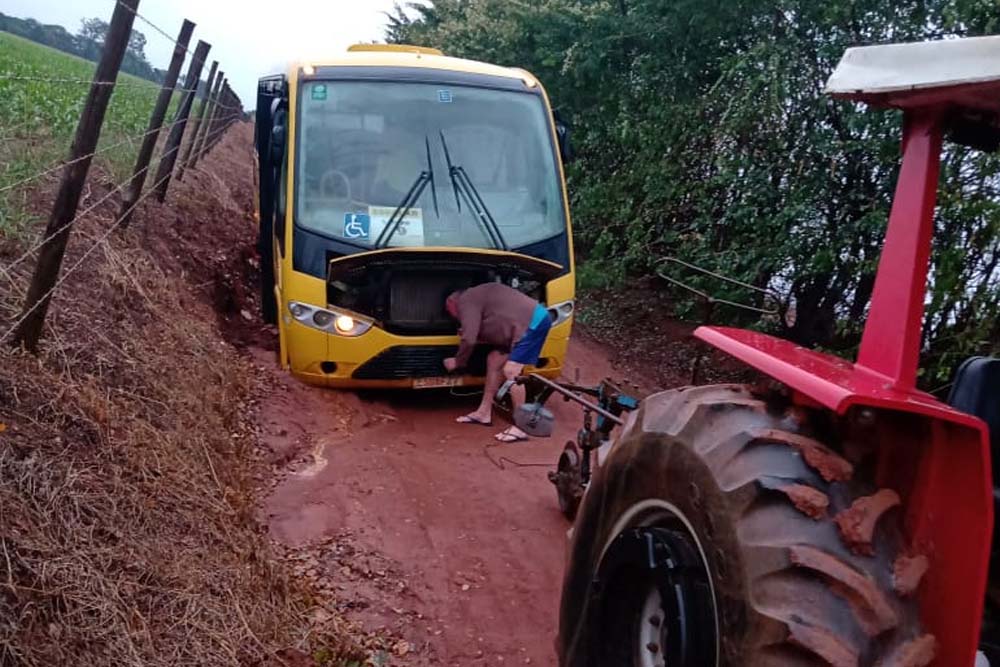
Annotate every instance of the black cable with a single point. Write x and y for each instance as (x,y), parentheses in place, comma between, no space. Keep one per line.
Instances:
(500,461)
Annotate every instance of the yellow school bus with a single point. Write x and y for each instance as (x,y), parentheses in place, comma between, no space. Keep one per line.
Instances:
(390,176)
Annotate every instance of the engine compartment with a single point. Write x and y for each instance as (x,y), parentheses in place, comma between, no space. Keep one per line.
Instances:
(405,292)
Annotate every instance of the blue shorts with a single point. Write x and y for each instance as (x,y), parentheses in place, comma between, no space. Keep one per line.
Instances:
(527,349)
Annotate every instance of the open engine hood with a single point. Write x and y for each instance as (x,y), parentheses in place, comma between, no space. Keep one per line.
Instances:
(353,267)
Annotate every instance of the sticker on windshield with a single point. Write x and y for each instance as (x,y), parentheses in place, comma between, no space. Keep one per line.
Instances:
(409,233)
(357,226)
(319,91)
(444,96)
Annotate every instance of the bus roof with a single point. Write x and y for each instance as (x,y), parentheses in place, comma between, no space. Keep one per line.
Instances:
(401,55)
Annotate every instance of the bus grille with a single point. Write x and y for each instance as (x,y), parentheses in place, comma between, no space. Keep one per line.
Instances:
(416,361)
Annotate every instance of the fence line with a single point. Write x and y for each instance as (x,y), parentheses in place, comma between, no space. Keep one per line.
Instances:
(6,270)
(66,274)
(144,83)
(135,12)
(211,137)
(176,135)
(80,214)
(226,107)
(12,131)
(67,163)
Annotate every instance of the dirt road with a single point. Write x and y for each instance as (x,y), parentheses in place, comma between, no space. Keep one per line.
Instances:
(415,524)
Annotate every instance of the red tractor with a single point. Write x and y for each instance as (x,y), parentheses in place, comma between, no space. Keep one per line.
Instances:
(841,517)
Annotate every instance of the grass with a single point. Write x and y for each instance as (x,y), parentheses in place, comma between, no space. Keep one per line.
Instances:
(130,461)
(38,120)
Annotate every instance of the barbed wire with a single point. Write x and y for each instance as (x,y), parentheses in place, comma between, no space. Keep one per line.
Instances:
(145,83)
(18,77)
(162,32)
(103,149)
(65,274)
(205,142)
(228,114)
(121,186)
(151,85)
(155,27)
(114,226)
(13,130)
(30,251)
(117,84)
(99,151)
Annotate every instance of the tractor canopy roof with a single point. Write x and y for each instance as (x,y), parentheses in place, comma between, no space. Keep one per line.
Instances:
(962,73)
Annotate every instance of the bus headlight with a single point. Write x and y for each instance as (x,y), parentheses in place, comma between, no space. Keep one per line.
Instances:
(327,320)
(560,312)
(322,318)
(345,324)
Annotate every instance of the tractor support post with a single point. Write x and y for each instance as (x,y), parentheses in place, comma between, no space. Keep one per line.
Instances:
(890,345)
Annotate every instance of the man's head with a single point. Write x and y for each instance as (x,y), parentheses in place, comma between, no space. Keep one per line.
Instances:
(451,303)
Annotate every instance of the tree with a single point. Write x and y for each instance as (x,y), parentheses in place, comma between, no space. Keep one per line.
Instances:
(137,44)
(93,29)
(702,132)
(87,43)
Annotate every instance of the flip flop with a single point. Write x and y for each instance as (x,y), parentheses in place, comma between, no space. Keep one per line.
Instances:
(507,437)
(469,419)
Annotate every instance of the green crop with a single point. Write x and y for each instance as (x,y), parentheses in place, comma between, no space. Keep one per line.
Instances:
(39,114)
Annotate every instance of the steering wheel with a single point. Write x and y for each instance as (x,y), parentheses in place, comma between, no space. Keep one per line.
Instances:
(327,185)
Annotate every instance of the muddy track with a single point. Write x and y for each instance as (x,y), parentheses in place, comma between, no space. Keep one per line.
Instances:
(427,534)
(416,526)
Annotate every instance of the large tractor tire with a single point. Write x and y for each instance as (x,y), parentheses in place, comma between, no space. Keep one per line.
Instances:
(720,531)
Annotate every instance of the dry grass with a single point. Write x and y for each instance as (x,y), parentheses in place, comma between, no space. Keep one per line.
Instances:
(127,530)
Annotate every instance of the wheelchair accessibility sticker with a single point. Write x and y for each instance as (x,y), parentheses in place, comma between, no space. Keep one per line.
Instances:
(357,225)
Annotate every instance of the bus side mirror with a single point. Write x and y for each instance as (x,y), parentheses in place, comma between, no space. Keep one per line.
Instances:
(562,135)
(278,138)
(277,145)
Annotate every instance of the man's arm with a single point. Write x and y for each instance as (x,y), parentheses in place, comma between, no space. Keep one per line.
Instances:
(471,317)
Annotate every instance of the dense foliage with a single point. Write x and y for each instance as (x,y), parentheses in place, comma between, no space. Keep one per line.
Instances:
(701,132)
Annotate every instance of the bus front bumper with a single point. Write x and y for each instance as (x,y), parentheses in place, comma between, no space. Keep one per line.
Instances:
(379,359)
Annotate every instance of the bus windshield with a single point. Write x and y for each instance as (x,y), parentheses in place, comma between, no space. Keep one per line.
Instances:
(363,146)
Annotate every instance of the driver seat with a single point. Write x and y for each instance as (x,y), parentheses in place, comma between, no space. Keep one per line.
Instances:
(976,390)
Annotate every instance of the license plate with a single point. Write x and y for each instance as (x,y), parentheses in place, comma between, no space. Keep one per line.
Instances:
(431,383)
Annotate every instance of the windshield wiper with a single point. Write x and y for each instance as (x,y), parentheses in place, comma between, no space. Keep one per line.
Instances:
(460,181)
(426,176)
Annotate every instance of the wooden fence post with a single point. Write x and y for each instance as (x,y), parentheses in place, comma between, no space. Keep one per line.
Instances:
(223,115)
(219,113)
(141,169)
(169,155)
(74,175)
(196,122)
(206,124)
(227,117)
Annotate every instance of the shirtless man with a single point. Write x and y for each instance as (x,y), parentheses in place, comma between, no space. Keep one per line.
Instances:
(515,326)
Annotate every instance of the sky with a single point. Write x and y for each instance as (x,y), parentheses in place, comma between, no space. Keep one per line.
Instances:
(249,39)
